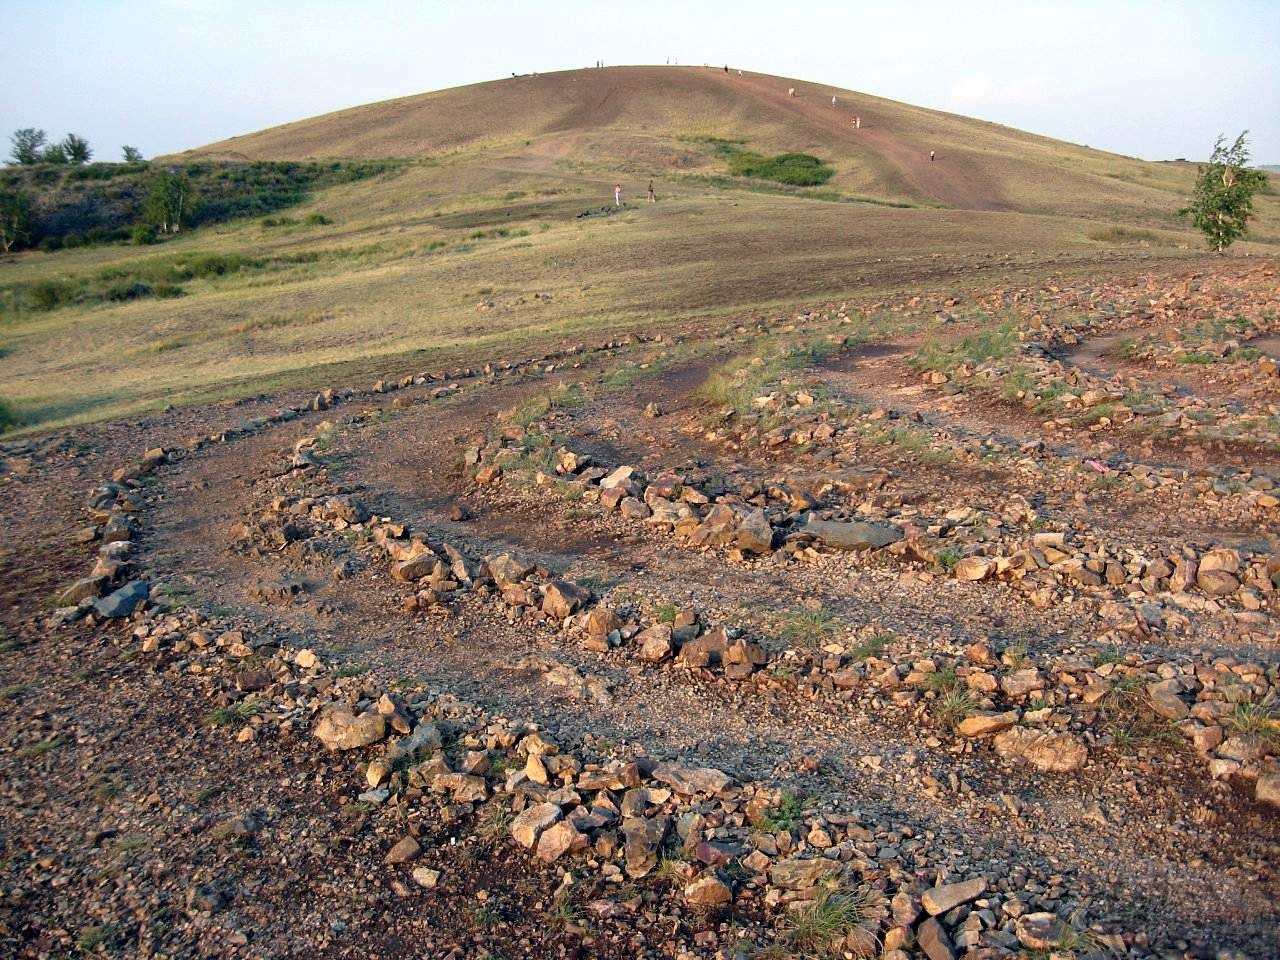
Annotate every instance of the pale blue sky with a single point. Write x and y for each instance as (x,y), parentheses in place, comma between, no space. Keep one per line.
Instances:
(1152,79)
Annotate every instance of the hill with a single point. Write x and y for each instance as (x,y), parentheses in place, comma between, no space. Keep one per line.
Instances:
(657,121)
(493,226)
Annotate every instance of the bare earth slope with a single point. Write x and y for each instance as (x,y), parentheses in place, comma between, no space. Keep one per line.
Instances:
(654,116)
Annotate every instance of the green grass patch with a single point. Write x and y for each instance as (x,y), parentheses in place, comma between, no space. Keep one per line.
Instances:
(996,343)
(785,815)
(793,169)
(1127,235)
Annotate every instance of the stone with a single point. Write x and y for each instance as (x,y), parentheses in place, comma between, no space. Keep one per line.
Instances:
(340,729)
(1217,583)
(1022,682)
(644,836)
(1165,700)
(655,643)
(1267,789)
(563,598)
(754,534)
(404,851)
(949,896)
(506,569)
(83,589)
(691,781)
(559,839)
(974,568)
(1040,931)
(426,878)
(800,874)
(530,822)
(853,535)
(1050,752)
(124,601)
(415,568)
(986,724)
(620,477)
(933,940)
(708,891)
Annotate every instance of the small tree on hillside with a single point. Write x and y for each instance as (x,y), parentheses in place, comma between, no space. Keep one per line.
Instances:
(1223,199)
(54,153)
(76,148)
(27,145)
(132,154)
(15,219)
(170,201)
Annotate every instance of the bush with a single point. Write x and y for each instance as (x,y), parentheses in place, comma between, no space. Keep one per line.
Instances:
(8,419)
(51,294)
(144,234)
(166,291)
(318,220)
(127,291)
(793,169)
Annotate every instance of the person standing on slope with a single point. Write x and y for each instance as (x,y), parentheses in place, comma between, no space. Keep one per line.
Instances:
(617,194)
(652,197)
(931,156)
(833,101)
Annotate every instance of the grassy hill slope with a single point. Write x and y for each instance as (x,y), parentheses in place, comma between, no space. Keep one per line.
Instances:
(648,121)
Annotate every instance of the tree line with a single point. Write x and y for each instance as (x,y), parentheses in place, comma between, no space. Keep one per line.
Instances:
(31,146)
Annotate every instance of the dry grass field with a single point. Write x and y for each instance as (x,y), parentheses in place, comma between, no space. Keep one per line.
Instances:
(477,241)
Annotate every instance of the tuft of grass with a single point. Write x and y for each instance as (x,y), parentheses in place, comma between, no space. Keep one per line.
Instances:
(872,647)
(351,670)
(232,716)
(942,681)
(1126,235)
(953,706)
(494,824)
(786,815)
(91,938)
(819,929)
(947,558)
(807,628)
(1257,720)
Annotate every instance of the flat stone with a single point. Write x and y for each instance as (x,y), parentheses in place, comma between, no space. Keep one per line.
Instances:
(691,781)
(124,601)
(933,940)
(530,822)
(853,534)
(1050,752)
(800,874)
(986,724)
(949,896)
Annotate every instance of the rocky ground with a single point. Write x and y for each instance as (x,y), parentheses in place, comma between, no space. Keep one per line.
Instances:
(939,626)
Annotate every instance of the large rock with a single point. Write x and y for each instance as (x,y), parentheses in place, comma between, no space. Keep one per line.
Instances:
(933,940)
(755,535)
(986,724)
(1268,789)
(1040,931)
(340,729)
(530,822)
(708,891)
(1050,752)
(691,781)
(853,534)
(124,601)
(949,896)
(801,874)
(562,598)
(559,839)
(644,836)
(1165,700)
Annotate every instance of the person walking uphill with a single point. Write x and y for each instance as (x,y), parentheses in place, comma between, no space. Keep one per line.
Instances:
(617,194)
(652,197)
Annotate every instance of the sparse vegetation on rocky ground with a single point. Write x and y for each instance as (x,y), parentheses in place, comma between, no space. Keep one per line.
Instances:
(630,647)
